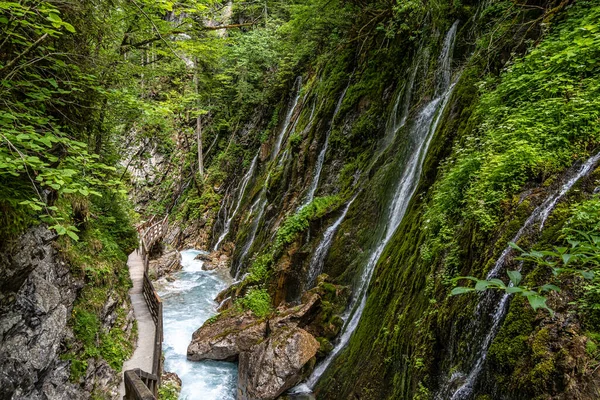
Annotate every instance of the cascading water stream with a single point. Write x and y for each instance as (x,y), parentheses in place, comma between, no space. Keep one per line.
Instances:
(420,135)
(187,304)
(321,158)
(261,204)
(404,96)
(318,259)
(240,196)
(539,215)
(288,118)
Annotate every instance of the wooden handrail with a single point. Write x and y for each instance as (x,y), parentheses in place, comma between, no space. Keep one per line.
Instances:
(140,385)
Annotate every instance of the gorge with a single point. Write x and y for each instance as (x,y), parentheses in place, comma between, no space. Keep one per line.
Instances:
(365,199)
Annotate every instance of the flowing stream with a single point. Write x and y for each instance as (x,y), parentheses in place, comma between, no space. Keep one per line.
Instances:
(321,158)
(240,196)
(539,215)
(187,303)
(418,140)
(318,259)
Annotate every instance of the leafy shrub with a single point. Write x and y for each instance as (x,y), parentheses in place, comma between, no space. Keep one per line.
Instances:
(259,301)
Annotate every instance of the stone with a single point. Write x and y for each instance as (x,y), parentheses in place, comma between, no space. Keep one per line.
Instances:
(226,337)
(203,257)
(276,365)
(166,264)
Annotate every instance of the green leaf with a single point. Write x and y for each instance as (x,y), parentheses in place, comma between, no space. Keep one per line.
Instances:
(461,290)
(72,235)
(588,274)
(536,301)
(516,247)
(54,18)
(69,27)
(515,277)
(549,287)
(566,258)
(514,289)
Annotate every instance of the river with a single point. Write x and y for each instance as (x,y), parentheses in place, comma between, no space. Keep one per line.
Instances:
(188,301)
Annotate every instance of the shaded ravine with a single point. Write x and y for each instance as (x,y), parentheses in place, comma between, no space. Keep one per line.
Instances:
(187,304)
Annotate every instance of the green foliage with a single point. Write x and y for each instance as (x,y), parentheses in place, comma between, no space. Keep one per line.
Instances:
(168,391)
(43,155)
(514,143)
(258,301)
(99,258)
(583,257)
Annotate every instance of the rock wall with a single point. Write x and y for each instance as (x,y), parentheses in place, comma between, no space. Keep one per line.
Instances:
(37,297)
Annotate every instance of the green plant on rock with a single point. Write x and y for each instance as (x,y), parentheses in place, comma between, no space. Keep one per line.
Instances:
(258,301)
(582,257)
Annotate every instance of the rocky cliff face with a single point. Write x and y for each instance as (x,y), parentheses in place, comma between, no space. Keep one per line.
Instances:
(37,298)
(365,176)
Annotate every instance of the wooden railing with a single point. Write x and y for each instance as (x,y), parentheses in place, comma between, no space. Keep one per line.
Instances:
(141,385)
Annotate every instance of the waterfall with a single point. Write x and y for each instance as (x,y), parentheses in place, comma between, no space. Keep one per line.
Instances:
(240,196)
(444,72)
(420,135)
(405,96)
(321,157)
(260,204)
(539,215)
(288,118)
(318,259)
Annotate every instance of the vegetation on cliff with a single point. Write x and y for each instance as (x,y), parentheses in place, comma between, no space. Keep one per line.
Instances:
(315,101)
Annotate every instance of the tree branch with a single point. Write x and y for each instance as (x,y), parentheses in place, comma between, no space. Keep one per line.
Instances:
(33,46)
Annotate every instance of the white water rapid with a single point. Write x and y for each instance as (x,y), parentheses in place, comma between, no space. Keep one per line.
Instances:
(187,303)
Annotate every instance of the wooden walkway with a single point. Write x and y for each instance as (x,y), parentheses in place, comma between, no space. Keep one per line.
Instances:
(143,355)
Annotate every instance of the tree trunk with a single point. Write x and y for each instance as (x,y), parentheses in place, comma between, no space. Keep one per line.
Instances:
(199,139)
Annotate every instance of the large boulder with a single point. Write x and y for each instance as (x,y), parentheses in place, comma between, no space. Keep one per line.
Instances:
(166,264)
(226,337)
(277,364)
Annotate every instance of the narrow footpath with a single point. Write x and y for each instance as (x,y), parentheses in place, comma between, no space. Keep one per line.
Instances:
(144,352)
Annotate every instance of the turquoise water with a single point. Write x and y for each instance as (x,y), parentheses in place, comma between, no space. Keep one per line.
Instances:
(188,301)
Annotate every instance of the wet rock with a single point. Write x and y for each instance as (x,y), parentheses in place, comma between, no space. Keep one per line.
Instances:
(203,257)
(277,364)
(226,337)
(170,383)
(216,260)
(166,264)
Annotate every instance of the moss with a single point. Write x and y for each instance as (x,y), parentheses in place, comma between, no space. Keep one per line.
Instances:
(258,301)
(99,259)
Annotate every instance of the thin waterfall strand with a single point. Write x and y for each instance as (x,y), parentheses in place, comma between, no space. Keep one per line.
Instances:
(318,259)
(288,118)
(421,133)
(539,215)
(240,196)
(321,158)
